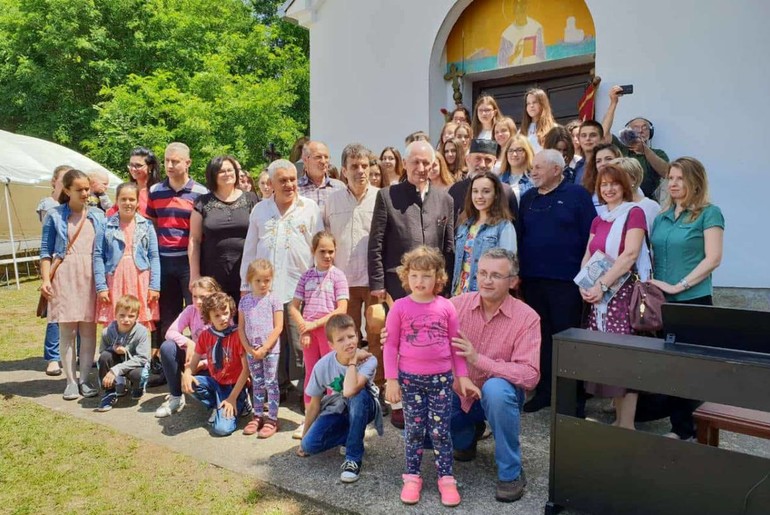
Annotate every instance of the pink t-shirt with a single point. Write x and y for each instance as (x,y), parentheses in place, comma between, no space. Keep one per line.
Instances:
(320,291)
(601,229)
(188,318)
(420,339)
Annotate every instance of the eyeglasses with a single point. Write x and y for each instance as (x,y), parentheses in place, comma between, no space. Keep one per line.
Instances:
(512,151)
(486,110)
(483,276)
(136,166)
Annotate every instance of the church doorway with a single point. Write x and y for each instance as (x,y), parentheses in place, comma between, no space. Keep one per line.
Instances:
(564,86)
(505,47)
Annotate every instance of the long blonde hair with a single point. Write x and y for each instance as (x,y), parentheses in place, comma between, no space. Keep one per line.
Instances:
(696,182)
(546,121)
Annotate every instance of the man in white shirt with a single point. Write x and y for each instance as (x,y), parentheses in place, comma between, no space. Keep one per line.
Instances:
(281,230)
(348,216)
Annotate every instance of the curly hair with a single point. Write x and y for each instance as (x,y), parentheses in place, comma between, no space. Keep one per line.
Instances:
(216,302)
(423,258)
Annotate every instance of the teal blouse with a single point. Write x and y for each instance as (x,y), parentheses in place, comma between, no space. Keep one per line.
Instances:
(678,246)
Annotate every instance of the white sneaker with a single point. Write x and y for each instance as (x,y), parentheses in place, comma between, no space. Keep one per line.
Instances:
(172,405)
(297,435)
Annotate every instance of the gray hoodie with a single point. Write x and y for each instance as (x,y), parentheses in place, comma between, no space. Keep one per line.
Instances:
(136,342)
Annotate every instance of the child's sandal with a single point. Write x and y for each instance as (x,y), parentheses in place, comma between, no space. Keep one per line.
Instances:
(254,425)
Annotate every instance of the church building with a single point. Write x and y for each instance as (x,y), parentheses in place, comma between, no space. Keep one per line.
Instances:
(381,69)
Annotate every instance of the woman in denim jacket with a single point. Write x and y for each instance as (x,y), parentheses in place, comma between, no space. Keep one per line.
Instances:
(136,272)
(70,231)
(484,223)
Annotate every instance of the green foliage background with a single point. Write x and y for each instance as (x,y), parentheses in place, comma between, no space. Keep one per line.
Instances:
(104,76)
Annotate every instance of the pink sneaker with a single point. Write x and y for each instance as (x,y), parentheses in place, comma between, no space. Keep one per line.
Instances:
(410,494)
(447,486)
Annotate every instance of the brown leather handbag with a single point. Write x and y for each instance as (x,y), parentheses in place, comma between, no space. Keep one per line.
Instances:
(42,303)
(645,308)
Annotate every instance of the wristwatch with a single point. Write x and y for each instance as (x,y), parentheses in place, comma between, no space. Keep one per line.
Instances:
(604,287)
(684,284)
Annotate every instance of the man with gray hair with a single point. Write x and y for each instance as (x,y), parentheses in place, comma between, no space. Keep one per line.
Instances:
(407,215)
(315,183)
(555,224)
(281,230)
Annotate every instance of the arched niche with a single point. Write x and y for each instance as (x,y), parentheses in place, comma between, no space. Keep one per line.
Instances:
(499,39)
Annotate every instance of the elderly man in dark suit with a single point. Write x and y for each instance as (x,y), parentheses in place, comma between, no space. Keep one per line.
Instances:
(407,215)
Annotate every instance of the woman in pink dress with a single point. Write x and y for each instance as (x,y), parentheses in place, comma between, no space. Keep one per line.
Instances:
(66,264)
(618,232)
(126,260)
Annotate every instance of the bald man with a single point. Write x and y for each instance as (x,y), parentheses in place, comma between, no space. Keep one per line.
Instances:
(316,184)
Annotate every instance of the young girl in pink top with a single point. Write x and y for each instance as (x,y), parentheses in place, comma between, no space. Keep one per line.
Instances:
(418,355)
(322,291)
(178,349)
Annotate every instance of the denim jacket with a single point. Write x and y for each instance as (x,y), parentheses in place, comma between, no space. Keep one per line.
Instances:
(501,234)
(55,239)
(109,250)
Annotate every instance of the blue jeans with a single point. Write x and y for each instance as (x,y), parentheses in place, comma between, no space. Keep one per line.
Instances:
(51,344)
(172,358)
(500,405)
(211,394)
(346,428)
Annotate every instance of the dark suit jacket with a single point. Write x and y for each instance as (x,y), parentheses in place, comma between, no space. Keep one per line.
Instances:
(459,190)
(402,222)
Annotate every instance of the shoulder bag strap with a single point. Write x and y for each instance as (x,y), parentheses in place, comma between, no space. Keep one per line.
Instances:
(55,266)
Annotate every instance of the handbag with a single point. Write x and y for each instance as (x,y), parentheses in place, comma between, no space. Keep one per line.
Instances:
(42,303)
(645,308)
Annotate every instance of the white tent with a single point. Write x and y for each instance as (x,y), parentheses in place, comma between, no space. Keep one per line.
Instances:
(26,165)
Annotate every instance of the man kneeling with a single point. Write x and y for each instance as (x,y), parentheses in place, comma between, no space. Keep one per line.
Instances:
(341,417)
(501,343)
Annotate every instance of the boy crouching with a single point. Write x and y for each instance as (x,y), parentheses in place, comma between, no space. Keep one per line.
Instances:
(341,417)
(124,353)
(222,391)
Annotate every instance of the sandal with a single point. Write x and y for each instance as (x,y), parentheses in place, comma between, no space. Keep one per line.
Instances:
(268,429)
(254,425)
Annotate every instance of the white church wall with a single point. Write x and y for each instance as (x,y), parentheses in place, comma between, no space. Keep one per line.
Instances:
(700,73)
(369,68)
(698,68)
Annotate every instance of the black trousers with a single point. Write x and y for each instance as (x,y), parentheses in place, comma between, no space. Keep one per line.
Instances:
(560,306)
(109,359)
(174,290)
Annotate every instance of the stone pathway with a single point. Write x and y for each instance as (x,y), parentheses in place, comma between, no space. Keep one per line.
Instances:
(317,477)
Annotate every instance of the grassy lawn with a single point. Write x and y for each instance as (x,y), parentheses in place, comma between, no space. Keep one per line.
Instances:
(21,332)
(55,463)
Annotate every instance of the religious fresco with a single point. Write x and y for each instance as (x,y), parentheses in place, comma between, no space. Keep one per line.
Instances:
(493,34)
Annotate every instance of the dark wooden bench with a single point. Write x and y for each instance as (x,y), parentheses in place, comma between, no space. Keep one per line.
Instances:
(710,417)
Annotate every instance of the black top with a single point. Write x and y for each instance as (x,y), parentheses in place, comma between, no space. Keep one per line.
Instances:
(225,225)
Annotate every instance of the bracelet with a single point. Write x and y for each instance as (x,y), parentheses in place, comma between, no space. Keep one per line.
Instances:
(684,284)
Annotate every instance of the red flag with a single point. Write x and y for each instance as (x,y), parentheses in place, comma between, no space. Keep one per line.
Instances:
(586,104)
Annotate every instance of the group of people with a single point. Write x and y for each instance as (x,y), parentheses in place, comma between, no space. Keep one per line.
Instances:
(428,285)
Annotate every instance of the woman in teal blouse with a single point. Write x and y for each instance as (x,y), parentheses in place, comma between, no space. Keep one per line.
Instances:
(687,247)
(687,236)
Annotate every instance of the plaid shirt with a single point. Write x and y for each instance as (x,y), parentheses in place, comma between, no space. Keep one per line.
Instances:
(319,194)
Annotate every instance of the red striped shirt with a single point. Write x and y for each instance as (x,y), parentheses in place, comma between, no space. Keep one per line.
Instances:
(508,343)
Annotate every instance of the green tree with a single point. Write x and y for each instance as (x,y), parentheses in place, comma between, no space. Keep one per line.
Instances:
(106,75)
